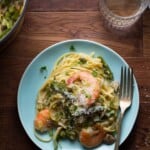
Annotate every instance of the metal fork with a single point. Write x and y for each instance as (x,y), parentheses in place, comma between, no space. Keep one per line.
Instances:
(126,94)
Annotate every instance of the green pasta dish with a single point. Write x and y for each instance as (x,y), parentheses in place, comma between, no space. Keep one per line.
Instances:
(10,10)
(78,101)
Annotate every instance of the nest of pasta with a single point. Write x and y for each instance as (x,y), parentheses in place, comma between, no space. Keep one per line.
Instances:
(79,101)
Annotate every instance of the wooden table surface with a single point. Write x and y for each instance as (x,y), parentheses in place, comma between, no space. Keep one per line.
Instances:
(50,21)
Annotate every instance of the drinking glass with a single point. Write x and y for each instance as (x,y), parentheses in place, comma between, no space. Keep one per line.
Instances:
(121,15)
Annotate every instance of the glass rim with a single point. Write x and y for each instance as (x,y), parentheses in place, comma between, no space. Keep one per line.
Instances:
(141,9)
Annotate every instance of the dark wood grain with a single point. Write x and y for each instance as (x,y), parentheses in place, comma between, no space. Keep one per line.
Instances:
(146,33)
(50,21)
(63,5)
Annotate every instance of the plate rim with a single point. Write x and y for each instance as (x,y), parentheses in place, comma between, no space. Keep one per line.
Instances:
(49,49)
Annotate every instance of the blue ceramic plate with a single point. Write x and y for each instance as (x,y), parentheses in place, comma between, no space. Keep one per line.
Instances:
(32,80)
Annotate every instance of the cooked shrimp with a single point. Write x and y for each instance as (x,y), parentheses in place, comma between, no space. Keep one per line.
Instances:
(92,89)
(92,136)
(41,120)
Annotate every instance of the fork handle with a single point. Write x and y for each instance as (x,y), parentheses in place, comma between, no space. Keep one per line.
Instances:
(118,132)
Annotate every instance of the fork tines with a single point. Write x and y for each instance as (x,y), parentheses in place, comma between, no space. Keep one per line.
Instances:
(126,82)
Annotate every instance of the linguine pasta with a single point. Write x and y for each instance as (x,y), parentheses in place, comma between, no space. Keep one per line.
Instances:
(79,100)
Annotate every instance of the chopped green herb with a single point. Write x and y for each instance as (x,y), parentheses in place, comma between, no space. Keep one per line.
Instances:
(59,86)
(72,48)
(106,69)
(94,73)
(43,68)
(82,60)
